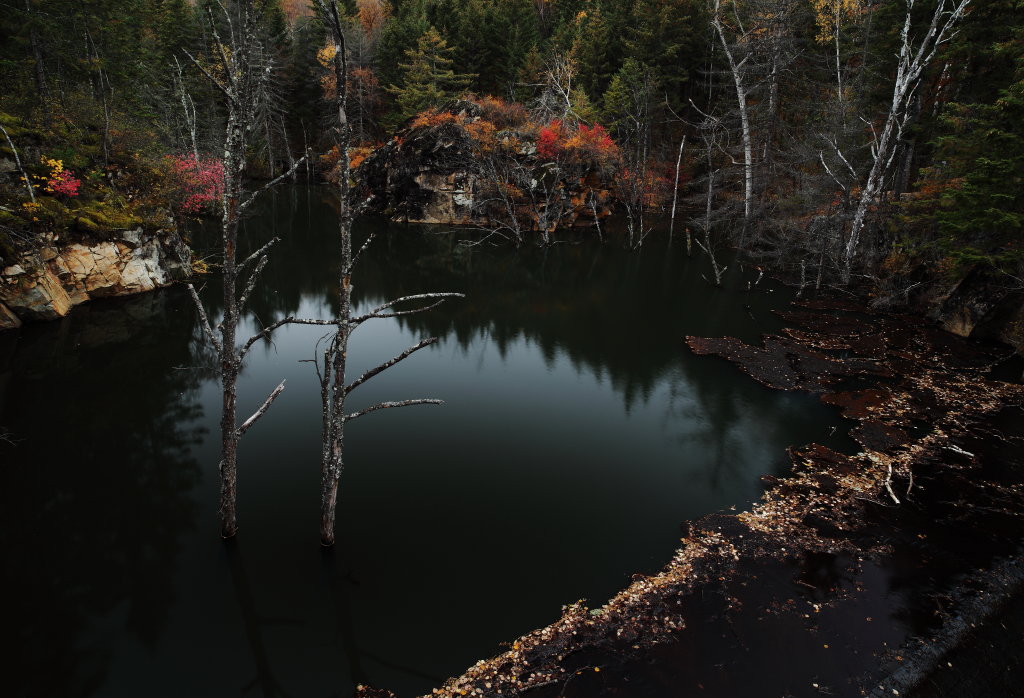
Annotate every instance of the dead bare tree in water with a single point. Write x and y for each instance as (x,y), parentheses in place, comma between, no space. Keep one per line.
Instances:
(242,78)
(331,365)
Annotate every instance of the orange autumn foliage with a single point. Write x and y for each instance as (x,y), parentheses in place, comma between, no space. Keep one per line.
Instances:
(432,118)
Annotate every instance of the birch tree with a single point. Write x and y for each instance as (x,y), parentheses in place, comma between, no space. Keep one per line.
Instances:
(739,67)
(241,74)
(915,55)
(332,366)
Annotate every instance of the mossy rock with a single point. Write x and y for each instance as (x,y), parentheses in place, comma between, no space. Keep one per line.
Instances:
(26,137)
(13,220)
(52,212)
(87,226)
(97,219)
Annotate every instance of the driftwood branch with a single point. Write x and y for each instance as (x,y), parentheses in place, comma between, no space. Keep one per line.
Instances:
(203,318)
(388,364)
(389,405)
(247,424)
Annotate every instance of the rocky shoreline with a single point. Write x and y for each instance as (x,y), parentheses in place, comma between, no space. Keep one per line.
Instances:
(933,480)
(49,280)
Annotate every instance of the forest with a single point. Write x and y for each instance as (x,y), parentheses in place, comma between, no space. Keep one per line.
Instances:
(876,140)
(552,214)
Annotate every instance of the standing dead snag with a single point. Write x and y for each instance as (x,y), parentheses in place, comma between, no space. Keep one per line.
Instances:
(242,78)
(332,370)
(912,61)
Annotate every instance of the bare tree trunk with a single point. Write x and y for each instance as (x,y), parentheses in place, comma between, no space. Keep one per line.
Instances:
(675,198)
(103,84)
(188,108)
(707,244)
(736,68)
(912,62)
(42,88)
(17,161)
(333,388)
(243,89)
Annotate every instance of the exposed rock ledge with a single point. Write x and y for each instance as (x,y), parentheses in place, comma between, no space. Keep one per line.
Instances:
(46,283)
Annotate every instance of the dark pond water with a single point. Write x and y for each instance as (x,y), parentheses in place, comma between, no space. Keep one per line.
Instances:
(578,433)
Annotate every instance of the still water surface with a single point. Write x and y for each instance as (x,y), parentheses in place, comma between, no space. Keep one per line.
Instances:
(578,433)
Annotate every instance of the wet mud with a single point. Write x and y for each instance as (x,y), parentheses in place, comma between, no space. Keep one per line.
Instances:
(848,569)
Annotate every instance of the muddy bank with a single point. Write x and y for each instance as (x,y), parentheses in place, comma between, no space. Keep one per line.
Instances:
(788,596)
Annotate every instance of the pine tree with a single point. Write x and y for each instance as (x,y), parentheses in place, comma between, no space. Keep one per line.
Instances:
(406,26)
(428,78)
(668,37)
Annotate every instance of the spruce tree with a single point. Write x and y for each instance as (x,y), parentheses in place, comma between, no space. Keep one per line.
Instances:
(428,78)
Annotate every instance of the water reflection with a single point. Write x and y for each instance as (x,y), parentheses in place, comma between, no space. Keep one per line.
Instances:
(97,485)
(578,433)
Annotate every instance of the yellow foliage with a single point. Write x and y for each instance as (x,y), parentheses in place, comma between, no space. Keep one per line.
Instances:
(483,132)
(829,15)
(56,166)
(325,56)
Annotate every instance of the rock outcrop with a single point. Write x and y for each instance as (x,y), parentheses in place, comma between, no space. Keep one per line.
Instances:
(984,304)
(459,166)
(46,283)
(427,174)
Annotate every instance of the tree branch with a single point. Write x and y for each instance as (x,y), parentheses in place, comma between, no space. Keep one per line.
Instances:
(257,254)
(203,318)
(251,283)
(389,405)
(355,259)
(247,424)
(209,76)
(388,364)
(376,313)
(272,183)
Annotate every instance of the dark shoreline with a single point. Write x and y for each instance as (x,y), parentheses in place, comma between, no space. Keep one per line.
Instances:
(937,434)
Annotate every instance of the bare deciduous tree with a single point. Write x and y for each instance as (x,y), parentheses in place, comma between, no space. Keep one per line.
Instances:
(739,67)
(332,365)
(241,76)
(911,63)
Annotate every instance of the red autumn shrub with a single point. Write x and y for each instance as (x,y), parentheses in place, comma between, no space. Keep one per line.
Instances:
(197,183)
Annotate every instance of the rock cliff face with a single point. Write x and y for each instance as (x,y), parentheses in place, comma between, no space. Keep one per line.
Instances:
(427,174)
(984,304)
(46,283)
(455,167)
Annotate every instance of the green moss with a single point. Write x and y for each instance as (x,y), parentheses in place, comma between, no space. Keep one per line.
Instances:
(99,217)
(7,248)
(12,220)
(87,226)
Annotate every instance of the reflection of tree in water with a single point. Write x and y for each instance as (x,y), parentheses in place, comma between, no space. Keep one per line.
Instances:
(527,293)
(96,490)
(620,316)
(579,301)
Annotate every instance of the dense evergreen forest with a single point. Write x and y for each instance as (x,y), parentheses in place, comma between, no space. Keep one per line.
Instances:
(833,140)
